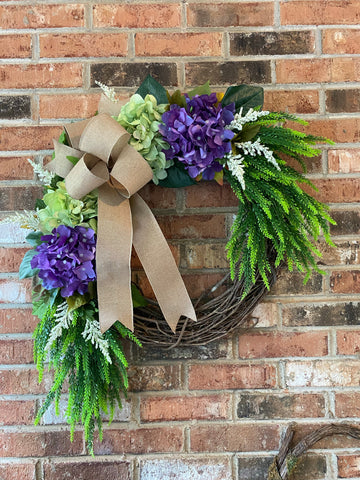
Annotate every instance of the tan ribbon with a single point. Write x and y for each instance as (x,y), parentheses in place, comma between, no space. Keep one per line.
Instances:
(107,162)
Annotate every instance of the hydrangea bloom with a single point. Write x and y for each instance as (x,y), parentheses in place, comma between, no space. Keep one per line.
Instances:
(197,134)
(66,259)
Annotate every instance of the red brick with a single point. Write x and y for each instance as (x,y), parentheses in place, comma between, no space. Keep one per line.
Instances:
(210,407)
(141,440)
(347,404)
(39,444)
(52,75)
(42,16)
(348,130)
(167,44)
(341,41)
(193,226)
(56,469)
(278,344)
(15,291)
(347,281)
(322,12)
(17,412)
(17,320)
(16,168)
(154,377)
(23,381)
(315,70)
(197,284)
(234,438)
(344,160)
(294,101)
(84,45)
(265,406)
(345,69)
(214,468)
(16,471)
(15,46)
(292,283)
(305,70)
(68,106)
(208,255)
(137,16)
(322,373)
(248,14)
(210,194)
(337,190)
(231,376)
(348,343)
(157,197)
(19,198)
(28,138)
(345,253)
(16,351)
(348,466)
(10,258)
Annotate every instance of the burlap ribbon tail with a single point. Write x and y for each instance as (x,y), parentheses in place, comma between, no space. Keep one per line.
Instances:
(108,163)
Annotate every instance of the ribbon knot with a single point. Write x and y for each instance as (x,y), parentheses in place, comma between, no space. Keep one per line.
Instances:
(107,162)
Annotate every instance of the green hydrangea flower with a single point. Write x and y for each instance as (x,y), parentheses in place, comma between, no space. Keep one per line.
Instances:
(141,117)
(61,209)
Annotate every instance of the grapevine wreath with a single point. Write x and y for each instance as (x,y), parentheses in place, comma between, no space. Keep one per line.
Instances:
(83,229)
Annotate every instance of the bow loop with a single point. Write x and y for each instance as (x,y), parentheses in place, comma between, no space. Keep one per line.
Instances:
(108,163)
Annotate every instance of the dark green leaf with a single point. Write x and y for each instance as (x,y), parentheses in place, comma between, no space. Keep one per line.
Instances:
(177,177)
(245,96)
(200,90)
(34,238)
(152,87)
(25,270)
(39,204)
(138,299)
(247,133)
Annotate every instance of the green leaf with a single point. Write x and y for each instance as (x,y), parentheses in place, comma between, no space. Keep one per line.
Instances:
(62,138)
(177,97)
(200,90)
(247,133)
(138,299)
(76,301)
(72,159)
(25,270)
(177,177)
(152,87)
(245,96)
(34,238)
(39,204)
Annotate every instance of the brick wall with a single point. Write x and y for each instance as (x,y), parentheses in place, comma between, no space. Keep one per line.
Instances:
(213,412)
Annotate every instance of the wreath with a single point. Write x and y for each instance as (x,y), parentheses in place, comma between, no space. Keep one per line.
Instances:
(83,228)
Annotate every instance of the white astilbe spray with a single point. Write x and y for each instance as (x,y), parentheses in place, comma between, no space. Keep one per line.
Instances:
(45,176)
(63,320)
(256,148)
(239,120)
(93,334)
(25,219)
(236,167)
(109,92)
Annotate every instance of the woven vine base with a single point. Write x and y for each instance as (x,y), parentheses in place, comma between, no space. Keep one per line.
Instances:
(217,317)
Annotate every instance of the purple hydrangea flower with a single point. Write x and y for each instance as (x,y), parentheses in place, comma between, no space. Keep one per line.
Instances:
(197,134)
(66,259)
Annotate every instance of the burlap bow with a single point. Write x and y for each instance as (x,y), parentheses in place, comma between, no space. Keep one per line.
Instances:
(107,162)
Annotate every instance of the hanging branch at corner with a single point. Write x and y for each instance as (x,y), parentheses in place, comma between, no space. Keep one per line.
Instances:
(285,463)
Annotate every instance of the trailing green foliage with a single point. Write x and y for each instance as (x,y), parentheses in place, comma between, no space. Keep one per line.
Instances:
(94,364)
(274,212)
